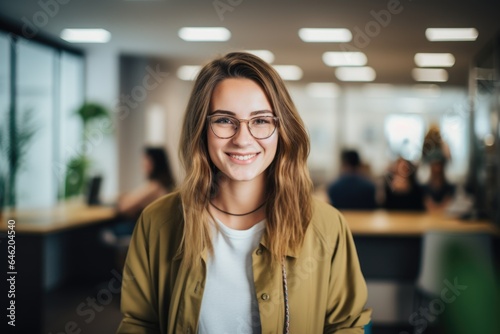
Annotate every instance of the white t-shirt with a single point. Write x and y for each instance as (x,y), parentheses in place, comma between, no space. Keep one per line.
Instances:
(229,304)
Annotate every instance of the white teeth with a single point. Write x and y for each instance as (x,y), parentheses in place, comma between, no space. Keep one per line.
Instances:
(243,157)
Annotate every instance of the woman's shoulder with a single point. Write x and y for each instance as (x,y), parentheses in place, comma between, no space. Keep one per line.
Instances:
(326,219)
(165,211)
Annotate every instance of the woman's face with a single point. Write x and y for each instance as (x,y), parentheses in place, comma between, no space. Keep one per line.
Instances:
(241,157)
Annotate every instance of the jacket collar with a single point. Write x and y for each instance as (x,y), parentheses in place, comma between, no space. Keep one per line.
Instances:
(264,241)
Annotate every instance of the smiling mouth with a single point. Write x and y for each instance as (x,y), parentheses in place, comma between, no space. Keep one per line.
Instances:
(242,157)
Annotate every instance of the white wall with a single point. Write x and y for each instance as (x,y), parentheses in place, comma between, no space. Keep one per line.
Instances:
(321,117)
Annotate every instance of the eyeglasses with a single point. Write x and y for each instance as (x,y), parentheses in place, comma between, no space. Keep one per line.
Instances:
(225,127)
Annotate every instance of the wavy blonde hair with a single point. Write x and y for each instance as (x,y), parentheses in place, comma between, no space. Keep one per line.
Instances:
(289,187)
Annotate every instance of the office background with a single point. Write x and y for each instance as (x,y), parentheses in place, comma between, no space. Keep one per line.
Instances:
(137,76)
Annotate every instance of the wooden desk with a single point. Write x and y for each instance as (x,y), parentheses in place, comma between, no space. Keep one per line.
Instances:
(53,246)
(65,216)
(387,223)
(389,244)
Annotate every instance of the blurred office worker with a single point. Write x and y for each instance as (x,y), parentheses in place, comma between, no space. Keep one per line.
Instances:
(225,254)
(352,190)
(402,191)
(438,191)
(159,182)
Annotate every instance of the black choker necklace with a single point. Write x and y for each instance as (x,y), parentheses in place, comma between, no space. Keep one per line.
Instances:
(237,214)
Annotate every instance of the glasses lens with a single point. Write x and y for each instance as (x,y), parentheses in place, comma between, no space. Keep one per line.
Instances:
(223,126)
(262,127)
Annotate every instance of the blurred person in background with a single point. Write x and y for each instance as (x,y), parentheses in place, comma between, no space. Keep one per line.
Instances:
(434,143)
(226,253)
(159,182)
(352,190)
(438,191)
(402,191)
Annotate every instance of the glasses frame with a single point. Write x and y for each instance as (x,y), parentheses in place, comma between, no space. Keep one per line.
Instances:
(243,120)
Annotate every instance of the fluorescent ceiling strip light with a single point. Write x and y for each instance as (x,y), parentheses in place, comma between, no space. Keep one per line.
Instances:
(289,72)
(365,73)
(344,59)
(86,35)
(204,34)
(265,55)
(323,35)
(188,72)
(434,59)
(451,34)
(429,74)
(323,90)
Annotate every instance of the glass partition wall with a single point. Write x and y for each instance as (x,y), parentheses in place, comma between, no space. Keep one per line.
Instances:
(485,131)
(41,87)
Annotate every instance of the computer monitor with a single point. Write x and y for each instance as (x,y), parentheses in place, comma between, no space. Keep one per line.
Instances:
(93,190)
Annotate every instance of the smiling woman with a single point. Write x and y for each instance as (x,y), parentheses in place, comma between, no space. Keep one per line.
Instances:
(242,246)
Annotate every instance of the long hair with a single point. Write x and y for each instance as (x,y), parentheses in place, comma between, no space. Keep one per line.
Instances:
(289,187)
(161,171)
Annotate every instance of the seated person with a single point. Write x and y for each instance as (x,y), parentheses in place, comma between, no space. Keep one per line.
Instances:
(159,182)
(352,190)
(402,192)
(438,191)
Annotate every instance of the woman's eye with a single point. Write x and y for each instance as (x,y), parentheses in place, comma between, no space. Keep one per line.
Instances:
(261,120)
(223,120)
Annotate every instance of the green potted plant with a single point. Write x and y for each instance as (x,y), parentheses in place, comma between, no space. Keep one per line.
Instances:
(78,166)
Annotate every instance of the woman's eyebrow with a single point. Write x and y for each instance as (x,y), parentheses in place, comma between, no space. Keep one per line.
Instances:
(258,112)
(226,112)
(253,113)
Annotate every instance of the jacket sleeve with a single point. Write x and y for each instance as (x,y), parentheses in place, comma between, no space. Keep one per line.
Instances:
(140,314)
(346,311)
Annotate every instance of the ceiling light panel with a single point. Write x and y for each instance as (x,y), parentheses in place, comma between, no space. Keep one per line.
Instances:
(289,72)
(344,59)
(434,59)
(188,72)
(204,34)
(451,34)
(365,73)
(324,35)
(265,55)
(86,35)
(429,74)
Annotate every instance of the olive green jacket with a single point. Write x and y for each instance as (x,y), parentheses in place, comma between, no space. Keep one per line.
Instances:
(327,292)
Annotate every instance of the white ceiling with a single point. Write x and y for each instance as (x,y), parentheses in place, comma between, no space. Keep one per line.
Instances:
(150,28)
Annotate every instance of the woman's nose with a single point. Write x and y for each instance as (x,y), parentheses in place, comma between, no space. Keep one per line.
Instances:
(243,136)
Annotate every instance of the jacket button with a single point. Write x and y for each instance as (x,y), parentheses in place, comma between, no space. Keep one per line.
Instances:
(264,296)
(259,251)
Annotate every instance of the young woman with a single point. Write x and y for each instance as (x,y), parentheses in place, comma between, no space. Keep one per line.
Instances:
(242,247)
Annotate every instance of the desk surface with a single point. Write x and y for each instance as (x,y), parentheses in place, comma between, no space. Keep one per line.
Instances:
(374,223)
(62,217)
(380,222)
